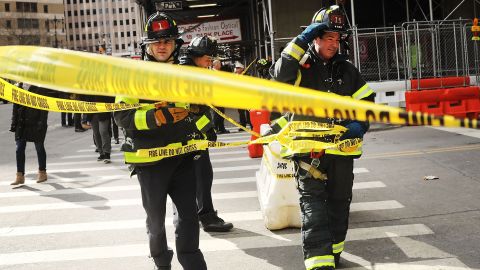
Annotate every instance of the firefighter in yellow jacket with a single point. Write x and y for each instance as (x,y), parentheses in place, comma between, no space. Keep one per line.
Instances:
(324,179)
(157,125)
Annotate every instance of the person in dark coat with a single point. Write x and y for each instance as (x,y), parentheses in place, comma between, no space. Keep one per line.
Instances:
(30,125)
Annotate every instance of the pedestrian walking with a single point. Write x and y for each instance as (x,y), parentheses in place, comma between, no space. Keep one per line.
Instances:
(30,125)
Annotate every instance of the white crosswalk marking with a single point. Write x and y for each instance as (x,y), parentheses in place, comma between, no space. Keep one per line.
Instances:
(91,198)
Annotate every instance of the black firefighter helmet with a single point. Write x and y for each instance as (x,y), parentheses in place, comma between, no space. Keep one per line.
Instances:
(200,46)
(333,16)
(160,26)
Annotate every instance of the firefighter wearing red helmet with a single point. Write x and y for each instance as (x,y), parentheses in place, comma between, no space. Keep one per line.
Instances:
(312,60)
(157,125)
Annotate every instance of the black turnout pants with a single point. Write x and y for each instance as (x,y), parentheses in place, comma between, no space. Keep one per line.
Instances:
(325,205)
(174,177)
(204,176)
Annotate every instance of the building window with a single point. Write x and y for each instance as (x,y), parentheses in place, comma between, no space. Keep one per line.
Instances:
(82,12)
(82,24)
(77,37)
(71,37)
(134,33)
(76,25)
(122,34)
(45,8)
(96,35)
(90,36)
(75,13)
(84,36)
(9,24)
(127,22)
(27,23)
(69,13)
(68,2)
(70,25)
(116,35)
(26,7)
(121,22)
(93,1)
(114,22)
(7,7)
(81,1)
(116,47)
(123,46)
(126,10)
(89,24)
(113,11)
(119,10)
(86,1)
(128,34)
(95,24)
(133,21)
(132,9)
(88,11)
(74,1)
(94,12)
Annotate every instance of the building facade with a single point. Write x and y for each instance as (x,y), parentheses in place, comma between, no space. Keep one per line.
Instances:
(103,26)
(37,23)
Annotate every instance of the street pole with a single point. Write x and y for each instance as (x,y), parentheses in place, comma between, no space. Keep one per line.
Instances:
(55,26)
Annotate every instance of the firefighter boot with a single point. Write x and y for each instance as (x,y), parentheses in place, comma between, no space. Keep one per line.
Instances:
(42,176)
(19,180)
(212,223)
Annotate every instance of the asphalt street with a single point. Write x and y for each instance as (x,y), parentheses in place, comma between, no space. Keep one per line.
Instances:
(88,215)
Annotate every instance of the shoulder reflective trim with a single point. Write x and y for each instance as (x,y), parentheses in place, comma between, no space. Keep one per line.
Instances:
(299,78)
(337,248)
(319,261)
(363,92)
(294,51)
(141,119)
(202,123)
(184,105)
(127,100)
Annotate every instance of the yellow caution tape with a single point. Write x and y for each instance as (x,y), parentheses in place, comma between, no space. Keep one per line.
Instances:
(248,67)
(234,122)
(191,146)
(93,74)
(278,176)
(329,132)
(23,97)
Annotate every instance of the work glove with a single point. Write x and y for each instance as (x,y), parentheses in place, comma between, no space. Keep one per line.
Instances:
(312,31)
(165,115)
(355,130)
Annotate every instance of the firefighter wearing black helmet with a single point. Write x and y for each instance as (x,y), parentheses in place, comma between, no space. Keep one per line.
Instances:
(157,125)
(312,60)
(200,52)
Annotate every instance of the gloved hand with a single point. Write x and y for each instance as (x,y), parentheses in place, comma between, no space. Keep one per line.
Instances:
(166,115)
(312,31)
(355,130)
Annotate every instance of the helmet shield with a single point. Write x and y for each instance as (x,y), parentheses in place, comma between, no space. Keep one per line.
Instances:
(160,26)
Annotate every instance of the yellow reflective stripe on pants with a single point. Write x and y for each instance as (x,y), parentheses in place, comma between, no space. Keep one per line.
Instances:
(141,119)
(294,51)
(337,248)
(319,261)
(363,92)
